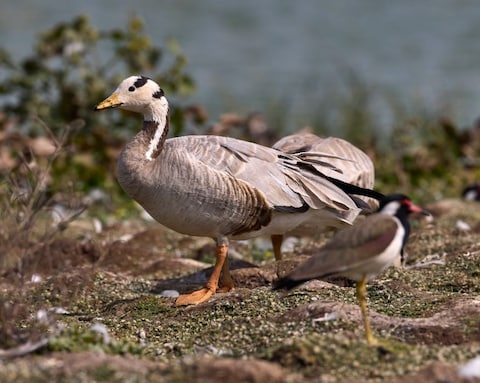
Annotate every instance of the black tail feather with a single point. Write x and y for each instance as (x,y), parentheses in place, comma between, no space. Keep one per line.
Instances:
(366,208)
(345,186)
(354,189)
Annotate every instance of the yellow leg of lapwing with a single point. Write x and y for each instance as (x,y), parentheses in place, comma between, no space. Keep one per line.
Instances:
(362,302)
(277,240)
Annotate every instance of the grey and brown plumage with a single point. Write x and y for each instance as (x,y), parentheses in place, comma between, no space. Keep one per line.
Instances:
(341,159)
(218,187)
(334,157)
(360,252)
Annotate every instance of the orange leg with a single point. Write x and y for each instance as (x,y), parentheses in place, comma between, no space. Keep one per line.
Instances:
(277,240)
(227,281)
(210,288)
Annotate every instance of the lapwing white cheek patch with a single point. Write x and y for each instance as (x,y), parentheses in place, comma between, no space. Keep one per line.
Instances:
(391,208)
(470,195)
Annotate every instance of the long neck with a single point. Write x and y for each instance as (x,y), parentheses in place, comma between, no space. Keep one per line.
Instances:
(155,132)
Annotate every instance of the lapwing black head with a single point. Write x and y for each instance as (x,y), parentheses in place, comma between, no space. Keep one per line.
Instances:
(362,251)
(471,192)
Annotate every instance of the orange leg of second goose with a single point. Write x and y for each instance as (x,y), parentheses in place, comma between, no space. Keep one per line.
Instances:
(202,295)
(277,240)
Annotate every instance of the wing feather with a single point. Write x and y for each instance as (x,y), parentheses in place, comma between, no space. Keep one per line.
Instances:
(342,160)
(283,178)
(349,248)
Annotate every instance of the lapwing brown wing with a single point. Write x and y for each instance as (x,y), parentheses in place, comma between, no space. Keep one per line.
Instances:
(360,252)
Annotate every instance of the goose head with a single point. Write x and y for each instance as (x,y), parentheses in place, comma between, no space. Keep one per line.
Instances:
(138,94)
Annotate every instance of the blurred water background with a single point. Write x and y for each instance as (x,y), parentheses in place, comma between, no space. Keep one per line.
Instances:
(253,55)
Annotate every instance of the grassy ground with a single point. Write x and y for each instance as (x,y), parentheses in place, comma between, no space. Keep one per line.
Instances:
(88,306)
(82,299)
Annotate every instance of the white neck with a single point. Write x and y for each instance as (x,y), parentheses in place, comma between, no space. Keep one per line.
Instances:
(155,141)
(391,208)
(157,116)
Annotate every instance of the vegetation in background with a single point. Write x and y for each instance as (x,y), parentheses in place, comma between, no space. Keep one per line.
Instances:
(55,150)
(73,66)
(52,143)
(50,94)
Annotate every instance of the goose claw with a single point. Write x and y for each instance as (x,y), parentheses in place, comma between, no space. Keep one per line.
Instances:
(194,298)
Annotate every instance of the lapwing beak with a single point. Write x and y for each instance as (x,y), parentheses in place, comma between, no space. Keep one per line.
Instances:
(419,210)
(426,213)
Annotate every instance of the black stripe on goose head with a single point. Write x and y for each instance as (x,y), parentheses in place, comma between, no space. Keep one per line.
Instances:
(141,81)
(159,93)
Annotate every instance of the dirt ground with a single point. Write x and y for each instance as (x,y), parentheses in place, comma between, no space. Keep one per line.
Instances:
(97,306)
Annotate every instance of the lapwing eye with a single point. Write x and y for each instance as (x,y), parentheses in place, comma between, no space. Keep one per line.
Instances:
(131,89)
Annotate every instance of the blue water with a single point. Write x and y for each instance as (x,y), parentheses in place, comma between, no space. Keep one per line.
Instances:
(246,55)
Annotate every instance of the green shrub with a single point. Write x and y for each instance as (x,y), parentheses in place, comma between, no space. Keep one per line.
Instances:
(73,66)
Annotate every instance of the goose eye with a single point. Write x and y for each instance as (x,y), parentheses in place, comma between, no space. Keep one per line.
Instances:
(131,89)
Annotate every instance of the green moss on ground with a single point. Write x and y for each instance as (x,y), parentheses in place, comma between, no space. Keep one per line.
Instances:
(423,313)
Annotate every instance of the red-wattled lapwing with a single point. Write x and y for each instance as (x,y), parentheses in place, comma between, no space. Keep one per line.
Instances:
(471,192)
(360,252)
(220,187)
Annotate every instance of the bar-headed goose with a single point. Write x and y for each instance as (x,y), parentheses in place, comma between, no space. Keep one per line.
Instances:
(334,157)
(219,187)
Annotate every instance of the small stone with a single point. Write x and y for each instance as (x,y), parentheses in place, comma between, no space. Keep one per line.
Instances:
(462,225)
(36,278)
(471,369)
(102,330)
(170,293)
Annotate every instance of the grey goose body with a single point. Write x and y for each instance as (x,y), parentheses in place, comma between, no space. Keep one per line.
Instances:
(219,187)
